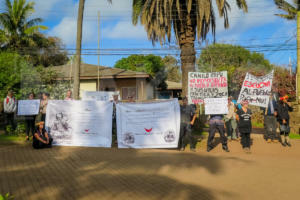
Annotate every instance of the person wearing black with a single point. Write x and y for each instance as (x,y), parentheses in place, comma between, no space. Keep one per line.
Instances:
(188,116)
(216,122)
(41,138)
(30,120)
(270,120)
(282,112)
(243,116)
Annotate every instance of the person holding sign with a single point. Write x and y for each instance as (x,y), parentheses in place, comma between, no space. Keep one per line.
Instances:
(282,113)
(30,120)
(216,122)
(41,138)
(188,117)
(243,117)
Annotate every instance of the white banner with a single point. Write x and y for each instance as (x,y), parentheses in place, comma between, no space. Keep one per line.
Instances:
(98,95)
(207,85)
(28,107)
(256,90)
(214,106)
(148,125)
(80,123)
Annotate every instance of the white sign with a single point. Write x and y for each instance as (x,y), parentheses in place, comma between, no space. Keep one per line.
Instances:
(28,107)
(148,125)
(98,95)
(214,106)
(256,90)
(80,123)
(207,85)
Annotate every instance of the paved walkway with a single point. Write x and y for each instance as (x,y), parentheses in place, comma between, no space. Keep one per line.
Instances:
(270,172)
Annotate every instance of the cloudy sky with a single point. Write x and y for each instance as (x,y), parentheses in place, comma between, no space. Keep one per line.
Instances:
(259,29)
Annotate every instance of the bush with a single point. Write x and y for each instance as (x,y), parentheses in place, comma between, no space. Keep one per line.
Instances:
(6,197)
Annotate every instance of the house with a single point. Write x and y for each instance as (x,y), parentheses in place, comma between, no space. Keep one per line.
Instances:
(173,90)
(128,83)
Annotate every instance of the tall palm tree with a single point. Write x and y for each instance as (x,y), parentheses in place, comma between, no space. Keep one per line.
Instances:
(292,13)
(189,19)
(17,29)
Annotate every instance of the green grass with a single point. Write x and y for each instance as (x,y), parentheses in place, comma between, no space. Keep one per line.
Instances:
(294,136)
(257,125)
(11,138)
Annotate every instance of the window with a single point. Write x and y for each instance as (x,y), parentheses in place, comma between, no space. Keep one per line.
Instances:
(129,91)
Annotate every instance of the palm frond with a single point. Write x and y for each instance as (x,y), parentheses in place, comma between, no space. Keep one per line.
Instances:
(287,7)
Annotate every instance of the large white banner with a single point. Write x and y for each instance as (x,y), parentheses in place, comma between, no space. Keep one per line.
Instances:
(98,95)
(207,85)
(28,107)
(215,106)
(256,90)
(148,125)
(80,123)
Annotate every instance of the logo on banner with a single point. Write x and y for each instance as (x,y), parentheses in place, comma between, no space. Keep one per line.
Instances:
(148,130)
(169,136)
(128,138)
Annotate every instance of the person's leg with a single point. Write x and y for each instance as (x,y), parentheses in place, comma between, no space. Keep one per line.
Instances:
(6,123)
(27,127)
(228,129)
(287,133)
(273,126)
(190,137)
(248,140)
(43,117)
(265,127)
(223,137)
(181,136)
(32,126)
(212,131)
(243,140)
(234,127)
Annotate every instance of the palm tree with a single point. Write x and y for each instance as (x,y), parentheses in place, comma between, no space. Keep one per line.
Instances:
(189,19)
(292,13)
(17,29)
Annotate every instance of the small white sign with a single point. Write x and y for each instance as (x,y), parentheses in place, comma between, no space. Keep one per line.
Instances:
(214,106)
(28,107)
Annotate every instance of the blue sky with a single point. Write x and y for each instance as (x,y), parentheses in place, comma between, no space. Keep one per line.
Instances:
(259,29)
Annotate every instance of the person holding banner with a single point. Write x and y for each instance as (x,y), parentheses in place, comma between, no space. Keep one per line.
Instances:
(230,121)
(30,120)
(188,117)
(243,117)
(216,122)
(43,105)
(10,107)
(282,112)
(41,138)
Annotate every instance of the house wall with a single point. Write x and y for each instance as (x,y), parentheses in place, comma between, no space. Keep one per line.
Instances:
(88,85)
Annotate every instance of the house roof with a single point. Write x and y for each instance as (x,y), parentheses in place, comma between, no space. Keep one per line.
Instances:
(173,85)
(88,71)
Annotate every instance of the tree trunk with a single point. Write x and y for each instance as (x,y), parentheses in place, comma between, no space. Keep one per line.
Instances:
(298,59)
(78,50)
(188,53)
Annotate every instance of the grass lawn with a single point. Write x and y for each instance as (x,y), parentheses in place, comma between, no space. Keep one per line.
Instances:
(11,138)
(294,136)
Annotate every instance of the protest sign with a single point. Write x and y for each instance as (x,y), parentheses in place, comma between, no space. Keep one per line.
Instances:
(207,85)
(28,107)
(80,123)
(98,95)
(256,90)
(148,125)
(214,106)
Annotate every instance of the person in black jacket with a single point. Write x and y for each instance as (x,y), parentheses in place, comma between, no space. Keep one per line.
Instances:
(282,113)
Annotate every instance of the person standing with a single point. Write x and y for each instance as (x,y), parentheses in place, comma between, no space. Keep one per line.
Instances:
(69,96)
(43,105)
(30,120)
(188,117)
(244,124)
(10,107)
(270,120)
(230,121)
(216,122)
(282,113)
(41,138)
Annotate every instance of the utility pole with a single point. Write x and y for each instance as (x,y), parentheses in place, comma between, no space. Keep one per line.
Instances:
(298,60)
(98,85)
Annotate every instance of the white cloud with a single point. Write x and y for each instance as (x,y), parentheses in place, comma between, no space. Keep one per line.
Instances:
(125,30)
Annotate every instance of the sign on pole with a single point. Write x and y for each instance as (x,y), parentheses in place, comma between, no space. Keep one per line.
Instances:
(207,85)
(215,106)
(256,90)
(28,107)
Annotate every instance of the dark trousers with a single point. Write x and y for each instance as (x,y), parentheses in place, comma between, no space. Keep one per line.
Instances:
(228,128)
(246,141)
(212,131)
(43,118)
(10,120)
(185,132)
(39,145)
(270,127)
(30,125)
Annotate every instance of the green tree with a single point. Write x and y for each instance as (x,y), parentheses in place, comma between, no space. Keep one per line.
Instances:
(172,68)
(292,13)
(188,19)
(150,64)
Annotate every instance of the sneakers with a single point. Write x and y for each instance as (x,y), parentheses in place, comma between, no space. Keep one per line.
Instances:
(275,141)
(288,144)
(225,148)
(193,150)
(209,149)
(181,149)
(283,144)
(247,150)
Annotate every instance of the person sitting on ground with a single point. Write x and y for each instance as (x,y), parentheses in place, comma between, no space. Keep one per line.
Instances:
(243,117)
(216,122)
(282,113)
(41,138)
(188,117)
(69,96)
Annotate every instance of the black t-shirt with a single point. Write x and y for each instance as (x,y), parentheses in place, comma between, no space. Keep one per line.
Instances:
(187,112)
(245,120)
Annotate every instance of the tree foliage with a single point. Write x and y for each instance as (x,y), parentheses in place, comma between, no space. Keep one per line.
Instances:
(291,10)
(172,68)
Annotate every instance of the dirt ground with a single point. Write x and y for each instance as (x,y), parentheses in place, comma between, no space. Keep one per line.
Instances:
(270,172)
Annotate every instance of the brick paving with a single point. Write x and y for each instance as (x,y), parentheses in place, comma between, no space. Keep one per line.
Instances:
(270,172)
